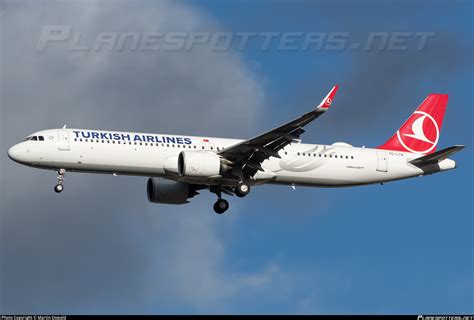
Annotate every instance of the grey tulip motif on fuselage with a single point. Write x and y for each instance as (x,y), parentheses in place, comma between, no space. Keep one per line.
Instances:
(307,162)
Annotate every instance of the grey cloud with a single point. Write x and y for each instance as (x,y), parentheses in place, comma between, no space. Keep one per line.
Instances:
(128,85)
(100,246)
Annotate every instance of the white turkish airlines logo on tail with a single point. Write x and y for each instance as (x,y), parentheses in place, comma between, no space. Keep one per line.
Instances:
(418,133)
(328,101)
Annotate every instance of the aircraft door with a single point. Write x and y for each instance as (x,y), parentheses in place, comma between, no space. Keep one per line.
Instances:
(63,138)
(382,161)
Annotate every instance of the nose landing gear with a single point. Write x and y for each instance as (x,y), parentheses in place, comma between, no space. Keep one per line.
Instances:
(59,186)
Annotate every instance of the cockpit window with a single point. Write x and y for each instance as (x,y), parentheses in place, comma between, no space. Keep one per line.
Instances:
(35,138)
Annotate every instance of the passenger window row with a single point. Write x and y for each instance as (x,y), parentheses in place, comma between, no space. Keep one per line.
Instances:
(137,143)
(323,155)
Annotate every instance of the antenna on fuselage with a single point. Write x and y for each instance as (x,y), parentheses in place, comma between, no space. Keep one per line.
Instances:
(64,127)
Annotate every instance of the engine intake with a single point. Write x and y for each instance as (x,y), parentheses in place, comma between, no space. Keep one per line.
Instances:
(201,164)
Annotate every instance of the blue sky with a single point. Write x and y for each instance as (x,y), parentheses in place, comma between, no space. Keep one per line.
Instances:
(404,247)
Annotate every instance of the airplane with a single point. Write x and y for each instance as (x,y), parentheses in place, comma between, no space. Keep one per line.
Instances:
(180,166)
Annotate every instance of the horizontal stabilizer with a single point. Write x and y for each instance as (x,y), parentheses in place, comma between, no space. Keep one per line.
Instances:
(436,156)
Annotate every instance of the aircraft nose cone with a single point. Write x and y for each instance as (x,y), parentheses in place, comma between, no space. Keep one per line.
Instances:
(13,153)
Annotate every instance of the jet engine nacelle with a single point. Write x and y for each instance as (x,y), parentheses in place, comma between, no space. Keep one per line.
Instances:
(201,164)
(161,190)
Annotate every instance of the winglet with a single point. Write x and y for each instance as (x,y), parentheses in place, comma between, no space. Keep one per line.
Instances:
(326,103)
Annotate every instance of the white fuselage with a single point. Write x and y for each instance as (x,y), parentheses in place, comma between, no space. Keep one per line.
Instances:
(156,155)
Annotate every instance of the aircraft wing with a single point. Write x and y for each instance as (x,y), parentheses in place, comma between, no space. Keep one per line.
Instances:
(246,157)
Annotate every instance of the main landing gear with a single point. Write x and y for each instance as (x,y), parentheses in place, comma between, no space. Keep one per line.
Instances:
(242,190)
(221,205)
(60,187)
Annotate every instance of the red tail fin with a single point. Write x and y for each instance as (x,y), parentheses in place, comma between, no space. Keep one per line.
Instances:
(420,133)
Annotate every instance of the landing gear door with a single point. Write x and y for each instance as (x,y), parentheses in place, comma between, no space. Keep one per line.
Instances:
(382,161)
(63,138)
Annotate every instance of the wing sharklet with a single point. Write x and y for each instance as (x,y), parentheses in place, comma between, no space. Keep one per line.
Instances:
(326,103)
